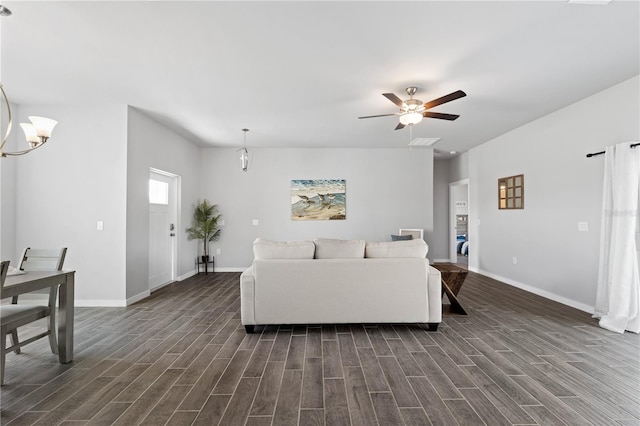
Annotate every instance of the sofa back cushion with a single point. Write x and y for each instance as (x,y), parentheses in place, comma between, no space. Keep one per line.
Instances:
(339,249)
(268,249)
(408,248)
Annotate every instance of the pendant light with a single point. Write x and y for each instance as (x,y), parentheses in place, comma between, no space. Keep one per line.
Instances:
(244,154)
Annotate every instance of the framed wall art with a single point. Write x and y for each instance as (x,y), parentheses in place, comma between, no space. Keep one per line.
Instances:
(318,199)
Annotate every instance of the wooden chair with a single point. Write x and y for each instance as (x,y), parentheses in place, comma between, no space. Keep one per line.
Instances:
(16,315)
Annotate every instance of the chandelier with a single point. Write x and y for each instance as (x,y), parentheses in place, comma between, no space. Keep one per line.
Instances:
(37,132)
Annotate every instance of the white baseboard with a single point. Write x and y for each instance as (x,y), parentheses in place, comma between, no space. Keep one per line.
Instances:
(90,303)
(161,285)
(217,269)
(138,297)
(442,261)
(546,294)
(232,269)
(42,299)
(185,276)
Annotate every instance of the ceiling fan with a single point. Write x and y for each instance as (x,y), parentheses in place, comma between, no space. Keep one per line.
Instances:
(413,110)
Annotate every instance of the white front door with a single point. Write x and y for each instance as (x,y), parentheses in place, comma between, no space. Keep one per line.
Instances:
(162,228)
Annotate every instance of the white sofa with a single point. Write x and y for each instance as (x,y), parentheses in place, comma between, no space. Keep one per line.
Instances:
(340,281)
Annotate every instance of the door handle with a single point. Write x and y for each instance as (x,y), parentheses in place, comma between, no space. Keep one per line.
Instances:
(172,234)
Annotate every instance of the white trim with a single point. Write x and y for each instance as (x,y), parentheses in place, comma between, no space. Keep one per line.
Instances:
(161,285)
(217,269)
(543,293)
(232,269)
(187,275)
(138,297)
(91,303)
(442,261)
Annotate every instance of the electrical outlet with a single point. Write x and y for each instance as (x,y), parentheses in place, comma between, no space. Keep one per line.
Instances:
(218,251)
(583,226)
(100,225)
(515,260)
(255,222)
(221,222)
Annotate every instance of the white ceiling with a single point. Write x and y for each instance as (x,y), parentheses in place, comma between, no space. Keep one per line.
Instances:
(298,74)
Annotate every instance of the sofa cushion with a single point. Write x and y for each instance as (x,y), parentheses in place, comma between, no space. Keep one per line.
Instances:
(268,249)
(327,248)
(409,248)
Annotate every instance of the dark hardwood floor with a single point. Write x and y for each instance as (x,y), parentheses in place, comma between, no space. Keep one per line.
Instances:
(181,357)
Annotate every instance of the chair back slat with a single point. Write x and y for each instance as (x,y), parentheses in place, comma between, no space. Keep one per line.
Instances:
(42,260)
(4,267)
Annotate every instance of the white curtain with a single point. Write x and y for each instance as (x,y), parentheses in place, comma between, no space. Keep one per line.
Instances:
(618,294)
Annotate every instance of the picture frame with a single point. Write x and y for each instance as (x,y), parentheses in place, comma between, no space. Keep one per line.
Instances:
(415,233)
(318,199)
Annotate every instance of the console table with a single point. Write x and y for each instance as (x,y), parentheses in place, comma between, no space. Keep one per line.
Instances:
(452,280)
(206,264)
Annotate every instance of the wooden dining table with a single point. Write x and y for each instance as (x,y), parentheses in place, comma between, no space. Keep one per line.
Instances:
(15,285)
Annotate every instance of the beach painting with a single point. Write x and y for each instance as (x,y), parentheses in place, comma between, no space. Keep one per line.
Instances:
(318,199)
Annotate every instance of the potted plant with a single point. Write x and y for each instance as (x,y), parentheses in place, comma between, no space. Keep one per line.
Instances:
(205,226)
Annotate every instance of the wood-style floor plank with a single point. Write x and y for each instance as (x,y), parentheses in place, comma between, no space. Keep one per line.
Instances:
(182,357)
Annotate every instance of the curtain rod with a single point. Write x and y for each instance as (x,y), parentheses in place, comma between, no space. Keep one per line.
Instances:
(633,145)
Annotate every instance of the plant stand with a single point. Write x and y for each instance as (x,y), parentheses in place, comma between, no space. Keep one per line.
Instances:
(206,264)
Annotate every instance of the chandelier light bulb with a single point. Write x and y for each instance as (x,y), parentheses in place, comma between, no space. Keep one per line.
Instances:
(44,126)
(30,133)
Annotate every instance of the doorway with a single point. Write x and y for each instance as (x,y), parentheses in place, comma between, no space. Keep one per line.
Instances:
(163,225)
(459,242)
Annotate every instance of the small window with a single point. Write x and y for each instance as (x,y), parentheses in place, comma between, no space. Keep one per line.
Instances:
(511,192)
(158,192)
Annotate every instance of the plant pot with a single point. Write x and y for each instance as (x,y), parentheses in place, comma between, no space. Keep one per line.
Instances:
(205,259)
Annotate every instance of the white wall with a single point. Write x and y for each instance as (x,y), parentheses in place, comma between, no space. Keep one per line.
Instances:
(387,189)
(8,193)
(562,187)
(459,167)
(150,144)
(95,168)
(66,186)
(439,238)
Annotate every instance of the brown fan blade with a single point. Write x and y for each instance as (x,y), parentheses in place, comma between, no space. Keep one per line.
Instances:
(399,126)
(373,116)
(393,98)
(440,115)
(446,98)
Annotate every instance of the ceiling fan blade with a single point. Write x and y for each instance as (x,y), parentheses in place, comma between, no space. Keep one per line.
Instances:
(399,126)
(440,115)
(393,98)
(373,116)
(446,98)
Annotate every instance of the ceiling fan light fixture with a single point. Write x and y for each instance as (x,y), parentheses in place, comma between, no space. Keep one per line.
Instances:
(413,104)
(410,118)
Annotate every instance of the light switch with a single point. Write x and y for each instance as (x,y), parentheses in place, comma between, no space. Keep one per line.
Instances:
(583,226)
(100,225)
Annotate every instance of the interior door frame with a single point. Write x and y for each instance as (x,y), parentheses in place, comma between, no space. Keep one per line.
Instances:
(453,253)
(174,203)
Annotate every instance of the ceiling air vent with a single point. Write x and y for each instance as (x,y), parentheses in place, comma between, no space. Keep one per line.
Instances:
(423,141)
